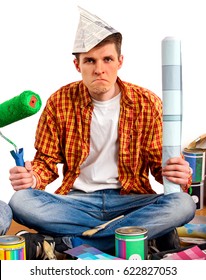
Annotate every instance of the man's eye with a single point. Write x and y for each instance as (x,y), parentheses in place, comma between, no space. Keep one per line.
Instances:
(108,59)
(89,60)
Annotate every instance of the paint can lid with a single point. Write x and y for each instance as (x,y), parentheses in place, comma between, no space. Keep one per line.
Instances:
(11,239)
(131,230)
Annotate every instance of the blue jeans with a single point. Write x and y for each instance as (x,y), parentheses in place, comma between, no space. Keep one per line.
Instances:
(5,217)
(70,215)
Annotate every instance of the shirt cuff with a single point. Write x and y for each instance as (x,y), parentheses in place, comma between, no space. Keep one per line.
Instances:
(37,181)
(34,184)
(189,183)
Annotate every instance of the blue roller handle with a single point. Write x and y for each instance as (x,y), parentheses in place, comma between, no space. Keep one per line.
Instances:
(19,157)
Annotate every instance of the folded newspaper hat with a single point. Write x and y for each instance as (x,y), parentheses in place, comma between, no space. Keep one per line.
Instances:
(90,32)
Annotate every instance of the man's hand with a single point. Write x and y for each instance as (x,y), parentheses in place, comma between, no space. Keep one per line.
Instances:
(177,171)
(21,177)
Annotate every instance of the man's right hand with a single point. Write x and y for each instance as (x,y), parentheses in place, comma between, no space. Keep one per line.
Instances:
(22,177)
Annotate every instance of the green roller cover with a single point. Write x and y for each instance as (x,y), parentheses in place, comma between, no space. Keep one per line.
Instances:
(19,107)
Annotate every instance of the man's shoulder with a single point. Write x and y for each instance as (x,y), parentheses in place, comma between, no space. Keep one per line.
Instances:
(135,92)
(68,91)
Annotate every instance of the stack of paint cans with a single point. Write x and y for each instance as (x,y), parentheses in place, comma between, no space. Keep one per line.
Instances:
(131,243)
(12,247)
(196,160)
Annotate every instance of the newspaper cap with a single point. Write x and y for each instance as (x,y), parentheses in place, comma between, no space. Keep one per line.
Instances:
(91,31)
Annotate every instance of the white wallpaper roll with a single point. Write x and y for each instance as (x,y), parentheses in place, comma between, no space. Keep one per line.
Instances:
(172,104)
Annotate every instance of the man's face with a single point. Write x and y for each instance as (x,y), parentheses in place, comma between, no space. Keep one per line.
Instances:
(99,69)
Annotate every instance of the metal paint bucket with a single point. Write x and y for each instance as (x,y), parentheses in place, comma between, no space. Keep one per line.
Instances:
(12,247)
(131,243)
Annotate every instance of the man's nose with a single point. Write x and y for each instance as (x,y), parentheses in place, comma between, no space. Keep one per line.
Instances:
(99,68)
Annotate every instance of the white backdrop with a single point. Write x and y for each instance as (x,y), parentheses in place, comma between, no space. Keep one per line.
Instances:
(35,54)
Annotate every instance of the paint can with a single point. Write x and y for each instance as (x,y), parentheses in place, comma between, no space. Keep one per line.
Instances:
(196,160)
(12,247)
(131,243)
(196,190)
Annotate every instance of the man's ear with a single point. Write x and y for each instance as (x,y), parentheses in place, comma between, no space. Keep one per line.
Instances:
(121,58)
(76,63)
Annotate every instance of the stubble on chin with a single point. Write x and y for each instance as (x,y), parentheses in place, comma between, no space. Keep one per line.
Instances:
(99,91)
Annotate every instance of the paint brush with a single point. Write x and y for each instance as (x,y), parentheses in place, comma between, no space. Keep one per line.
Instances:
(92,231)
(49,251)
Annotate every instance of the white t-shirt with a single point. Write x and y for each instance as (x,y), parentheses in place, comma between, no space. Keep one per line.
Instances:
(100,171)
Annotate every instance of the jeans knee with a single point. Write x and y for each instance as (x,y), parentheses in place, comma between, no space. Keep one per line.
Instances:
(188,202)
(186,206)
(17,200)
(5,217)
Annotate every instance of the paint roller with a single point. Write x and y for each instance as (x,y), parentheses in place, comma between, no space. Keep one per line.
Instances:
(19,107)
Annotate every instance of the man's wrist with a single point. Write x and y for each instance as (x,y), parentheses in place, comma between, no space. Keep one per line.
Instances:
(34,182)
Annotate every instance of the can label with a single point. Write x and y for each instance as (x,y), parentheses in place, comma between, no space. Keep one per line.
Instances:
(196,161)
(12,247)
(131,243)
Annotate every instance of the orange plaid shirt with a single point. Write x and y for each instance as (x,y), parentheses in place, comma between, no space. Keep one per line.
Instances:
(63,136)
